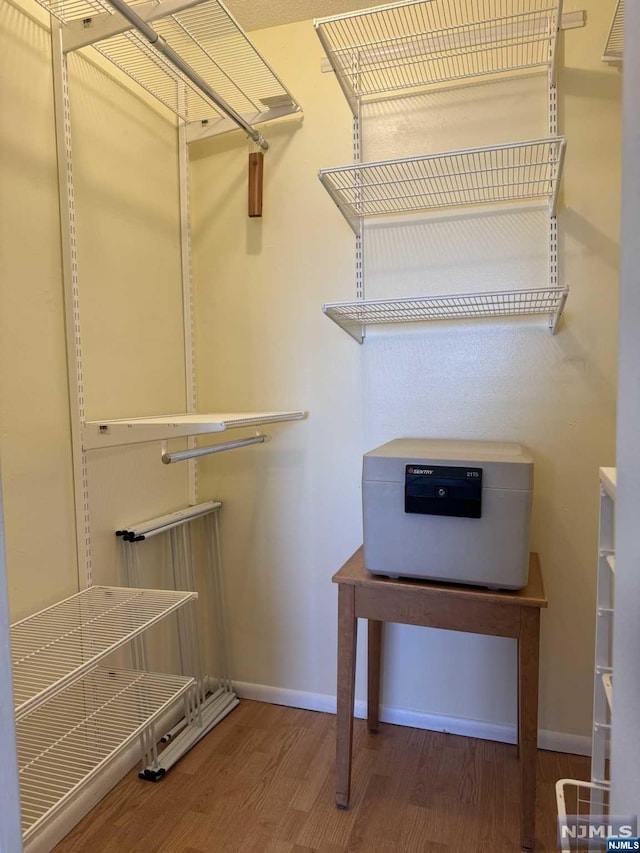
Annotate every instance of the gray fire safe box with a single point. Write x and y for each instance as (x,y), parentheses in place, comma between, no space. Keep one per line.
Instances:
(455,511)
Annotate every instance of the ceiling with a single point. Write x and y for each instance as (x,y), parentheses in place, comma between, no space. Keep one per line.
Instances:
(256,14)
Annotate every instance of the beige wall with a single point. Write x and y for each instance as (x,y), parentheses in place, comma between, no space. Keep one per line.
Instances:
(35,441)
(292,509)
(126,188)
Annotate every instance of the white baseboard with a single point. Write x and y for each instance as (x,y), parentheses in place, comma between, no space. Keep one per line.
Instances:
(553,741)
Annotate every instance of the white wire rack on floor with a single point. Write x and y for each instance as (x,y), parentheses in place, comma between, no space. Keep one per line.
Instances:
(414,44)
(614,48)
(578,803)
(516,172)
(353,317)
(56,646)
(64,743)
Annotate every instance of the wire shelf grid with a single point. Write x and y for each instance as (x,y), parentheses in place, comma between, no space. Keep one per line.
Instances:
(56,646)
(578,802)
(514,172)
(407,45)
(352,316)
(614,48)
(65,742)
(209,39)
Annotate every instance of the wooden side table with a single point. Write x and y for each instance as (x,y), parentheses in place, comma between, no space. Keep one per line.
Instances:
(436,605)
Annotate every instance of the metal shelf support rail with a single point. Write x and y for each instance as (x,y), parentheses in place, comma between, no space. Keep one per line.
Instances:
(215,697)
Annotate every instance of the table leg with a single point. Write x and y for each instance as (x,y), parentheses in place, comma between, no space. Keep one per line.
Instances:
(347,638)
(528,674)
(373,673)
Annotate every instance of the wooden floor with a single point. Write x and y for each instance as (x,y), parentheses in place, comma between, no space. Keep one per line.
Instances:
(262,782)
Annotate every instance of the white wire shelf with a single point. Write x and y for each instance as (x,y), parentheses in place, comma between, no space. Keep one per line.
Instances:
(68,740)
(111,433)
(56,646)
(607,683)
(614,48)
(517,172)
(353,317)
(205,35)
(403,46)
(577,802)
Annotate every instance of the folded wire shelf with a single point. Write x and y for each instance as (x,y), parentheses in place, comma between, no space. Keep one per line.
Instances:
(65,742)
(206,36)
(614,48)
(407,45)
(577,803)
(516,172)
(58,645)
(353,317)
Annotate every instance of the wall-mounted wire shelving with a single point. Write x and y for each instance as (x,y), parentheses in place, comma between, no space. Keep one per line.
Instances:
(392,50)
(54,647)
(614,48)
(591,799)
(65,742)
(110,433)
(355,316)
(520,171)
(404,46)
(206,37)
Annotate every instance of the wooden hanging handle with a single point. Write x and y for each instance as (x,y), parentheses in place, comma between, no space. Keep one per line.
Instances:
(256,172)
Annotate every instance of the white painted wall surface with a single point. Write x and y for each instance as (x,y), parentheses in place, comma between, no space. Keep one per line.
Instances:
(292,509)
(625,736)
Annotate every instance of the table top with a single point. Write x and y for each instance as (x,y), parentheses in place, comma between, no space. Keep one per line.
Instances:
(533,595)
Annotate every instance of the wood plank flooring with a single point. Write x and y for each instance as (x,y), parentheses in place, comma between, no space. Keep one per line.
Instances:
(262,782)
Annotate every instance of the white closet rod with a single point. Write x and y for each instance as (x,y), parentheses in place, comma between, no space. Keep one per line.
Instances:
(182,455)
(160,44)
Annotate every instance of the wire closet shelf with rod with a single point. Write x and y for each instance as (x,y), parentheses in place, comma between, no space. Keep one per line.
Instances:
(408,47)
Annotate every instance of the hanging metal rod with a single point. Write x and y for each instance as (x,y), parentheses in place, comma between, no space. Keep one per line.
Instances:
(144,529)
(160,44)
(182,455)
